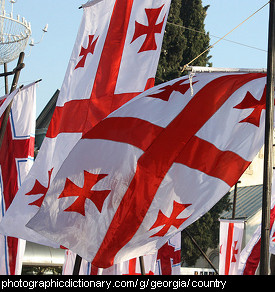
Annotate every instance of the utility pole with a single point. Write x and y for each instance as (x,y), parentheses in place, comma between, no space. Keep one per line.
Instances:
(268,167)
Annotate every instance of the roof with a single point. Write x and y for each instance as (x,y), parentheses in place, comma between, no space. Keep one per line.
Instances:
(248,202)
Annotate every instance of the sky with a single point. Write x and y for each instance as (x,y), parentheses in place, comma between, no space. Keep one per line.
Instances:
(48,59)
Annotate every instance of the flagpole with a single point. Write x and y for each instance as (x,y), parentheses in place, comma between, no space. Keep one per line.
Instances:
(142,268)
(201,251)
(235,201)
(6,79)
(77,264)
(20,65)
(268,167)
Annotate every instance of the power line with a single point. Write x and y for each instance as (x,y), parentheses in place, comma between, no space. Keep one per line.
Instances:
(224,39)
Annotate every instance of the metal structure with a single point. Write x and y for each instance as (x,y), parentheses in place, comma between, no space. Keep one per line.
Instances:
(14,35)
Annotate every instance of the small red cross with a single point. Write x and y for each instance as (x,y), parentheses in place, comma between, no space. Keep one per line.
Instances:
(234,252)
(168,89)
(150,30)
(38,188)
(72,190)
(85,51)
(171,221)
(257,105)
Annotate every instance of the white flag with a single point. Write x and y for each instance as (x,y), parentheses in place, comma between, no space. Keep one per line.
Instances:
(115,58)
(154,166)
(16,159)
(231,236)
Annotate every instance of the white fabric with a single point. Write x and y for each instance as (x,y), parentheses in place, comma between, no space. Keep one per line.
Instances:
(183,186)
(230,246)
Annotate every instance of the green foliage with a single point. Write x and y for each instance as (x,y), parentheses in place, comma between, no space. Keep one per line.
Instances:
(181,45)
(193,16)
(173,45)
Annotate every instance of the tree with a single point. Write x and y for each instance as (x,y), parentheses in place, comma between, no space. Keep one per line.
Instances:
(205,232)
(173,45)
(184,39)
(193,16)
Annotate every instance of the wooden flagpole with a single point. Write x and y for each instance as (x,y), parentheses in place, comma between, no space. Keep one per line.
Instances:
(268,167)
(201,251)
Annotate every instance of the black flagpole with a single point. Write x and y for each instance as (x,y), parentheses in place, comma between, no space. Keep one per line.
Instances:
(268,167)
(77,264)
(20,66)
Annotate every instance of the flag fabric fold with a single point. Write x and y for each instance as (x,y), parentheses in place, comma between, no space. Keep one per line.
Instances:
(231,235)
(250,255)
(154,166)
(107,68)
(131,267)
(16,159)
(167,261)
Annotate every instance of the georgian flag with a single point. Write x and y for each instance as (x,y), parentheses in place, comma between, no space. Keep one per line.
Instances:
(231,235)
(16,159)
(154,166)
(114,58)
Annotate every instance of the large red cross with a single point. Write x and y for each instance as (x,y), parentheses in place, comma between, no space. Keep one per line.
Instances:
(103,100)
(165,149)
(11,150)
(150,30)
(79,116)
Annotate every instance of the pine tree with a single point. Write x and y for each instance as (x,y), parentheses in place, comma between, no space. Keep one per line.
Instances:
(173,45)
(193,16)
(184,39)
